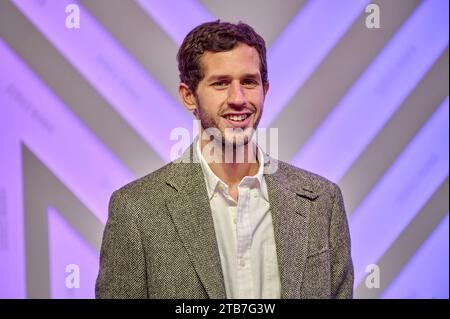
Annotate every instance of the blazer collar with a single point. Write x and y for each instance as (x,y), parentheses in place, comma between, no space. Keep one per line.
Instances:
(291,201)
(191,214)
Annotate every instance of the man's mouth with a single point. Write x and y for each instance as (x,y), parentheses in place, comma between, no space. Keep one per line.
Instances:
(238,120)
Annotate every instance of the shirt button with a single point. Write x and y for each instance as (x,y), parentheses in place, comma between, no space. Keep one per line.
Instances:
(242,263)
(235,220)
(255,195)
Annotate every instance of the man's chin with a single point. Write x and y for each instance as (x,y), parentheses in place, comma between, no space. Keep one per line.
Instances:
(238,136)
(229,137)
(236,141)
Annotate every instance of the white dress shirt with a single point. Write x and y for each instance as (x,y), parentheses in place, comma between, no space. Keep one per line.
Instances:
(244,233)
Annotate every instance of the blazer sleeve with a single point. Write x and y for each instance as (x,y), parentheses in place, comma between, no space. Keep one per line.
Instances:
(122,272)
(341,261)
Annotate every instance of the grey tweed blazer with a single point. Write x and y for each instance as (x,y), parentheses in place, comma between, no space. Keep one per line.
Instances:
(159,240)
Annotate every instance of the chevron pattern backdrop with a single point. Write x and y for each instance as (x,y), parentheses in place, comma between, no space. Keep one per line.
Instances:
(85,110)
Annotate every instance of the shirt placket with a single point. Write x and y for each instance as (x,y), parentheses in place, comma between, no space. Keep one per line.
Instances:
(244,239)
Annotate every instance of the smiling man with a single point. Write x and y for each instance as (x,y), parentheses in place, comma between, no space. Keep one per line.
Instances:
(225,225)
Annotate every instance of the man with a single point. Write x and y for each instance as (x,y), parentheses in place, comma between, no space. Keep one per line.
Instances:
(225,226)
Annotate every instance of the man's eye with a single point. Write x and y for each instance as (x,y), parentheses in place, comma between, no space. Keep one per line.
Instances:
(250,82)
(219,84)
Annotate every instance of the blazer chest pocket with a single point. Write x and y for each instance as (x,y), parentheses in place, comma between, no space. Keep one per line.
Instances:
(317,277)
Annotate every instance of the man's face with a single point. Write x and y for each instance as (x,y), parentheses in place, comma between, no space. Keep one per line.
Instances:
(231,94)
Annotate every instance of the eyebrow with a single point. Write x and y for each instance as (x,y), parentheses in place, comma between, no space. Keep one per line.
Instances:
(215,77)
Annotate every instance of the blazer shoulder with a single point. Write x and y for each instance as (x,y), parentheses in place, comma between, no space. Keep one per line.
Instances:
(306,178)
(152,183)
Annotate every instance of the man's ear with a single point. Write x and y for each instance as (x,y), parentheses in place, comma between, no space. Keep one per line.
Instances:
(187,97)
(266,89)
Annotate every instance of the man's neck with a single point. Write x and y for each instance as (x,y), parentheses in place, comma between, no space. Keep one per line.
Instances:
(234,170)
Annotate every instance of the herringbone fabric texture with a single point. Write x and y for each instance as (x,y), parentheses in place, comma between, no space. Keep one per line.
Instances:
(159,241)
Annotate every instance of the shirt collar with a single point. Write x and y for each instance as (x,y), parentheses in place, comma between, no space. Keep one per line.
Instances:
(212,181)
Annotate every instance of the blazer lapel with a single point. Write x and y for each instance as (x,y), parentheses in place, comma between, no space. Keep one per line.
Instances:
(191,212)
(290,205)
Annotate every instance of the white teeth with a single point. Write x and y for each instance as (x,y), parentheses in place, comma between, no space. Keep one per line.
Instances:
(236,117)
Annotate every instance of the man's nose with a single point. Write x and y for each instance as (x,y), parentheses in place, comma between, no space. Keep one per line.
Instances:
(236,96)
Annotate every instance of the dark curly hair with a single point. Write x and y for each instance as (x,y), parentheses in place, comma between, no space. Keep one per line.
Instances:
(216,36)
